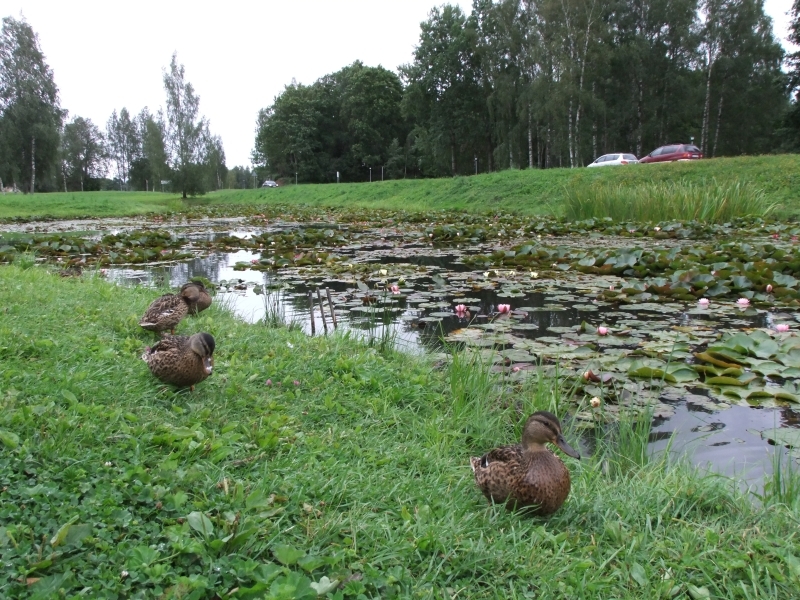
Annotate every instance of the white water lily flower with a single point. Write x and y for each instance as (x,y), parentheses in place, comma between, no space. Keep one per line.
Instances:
(383,271)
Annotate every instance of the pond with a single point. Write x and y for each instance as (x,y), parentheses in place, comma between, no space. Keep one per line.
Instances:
(616,313)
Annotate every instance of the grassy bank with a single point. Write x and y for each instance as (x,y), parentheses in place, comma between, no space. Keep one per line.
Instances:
(348,473)
(527,192)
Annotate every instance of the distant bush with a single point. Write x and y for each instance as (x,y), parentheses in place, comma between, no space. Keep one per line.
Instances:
(707,201)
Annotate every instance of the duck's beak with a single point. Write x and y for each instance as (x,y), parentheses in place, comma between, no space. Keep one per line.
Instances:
(568,450)
(208,365)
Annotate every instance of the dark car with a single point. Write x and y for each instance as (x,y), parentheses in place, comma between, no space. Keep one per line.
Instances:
(672,153)
(269,183)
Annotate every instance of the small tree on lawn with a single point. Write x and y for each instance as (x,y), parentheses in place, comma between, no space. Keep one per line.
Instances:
(185,129)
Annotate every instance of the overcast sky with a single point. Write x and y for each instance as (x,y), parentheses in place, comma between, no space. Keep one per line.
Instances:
(238,56)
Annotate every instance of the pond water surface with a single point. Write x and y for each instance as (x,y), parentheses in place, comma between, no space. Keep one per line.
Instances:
(554,316)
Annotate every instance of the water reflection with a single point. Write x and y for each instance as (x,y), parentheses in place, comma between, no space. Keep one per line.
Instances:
(726,442)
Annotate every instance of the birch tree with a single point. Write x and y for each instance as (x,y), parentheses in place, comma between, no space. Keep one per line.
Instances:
(184,133)
(30,114)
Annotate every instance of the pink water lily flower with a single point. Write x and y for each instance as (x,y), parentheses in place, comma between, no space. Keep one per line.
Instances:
(503,308)
(781,327)
(704,302)
(254,261)
(395,289)
(461,310)
(769,288)
(743,302)
(602,330)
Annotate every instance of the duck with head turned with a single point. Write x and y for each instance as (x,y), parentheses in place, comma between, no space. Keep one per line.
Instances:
(527,475)
(165,312)
(182,360)
(197,296)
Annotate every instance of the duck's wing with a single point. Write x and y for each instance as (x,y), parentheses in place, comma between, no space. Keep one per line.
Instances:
(173,343)
(161,309)
(504,454)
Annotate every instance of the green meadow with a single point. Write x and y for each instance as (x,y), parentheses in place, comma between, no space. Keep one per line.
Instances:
(322,467)
(773,181)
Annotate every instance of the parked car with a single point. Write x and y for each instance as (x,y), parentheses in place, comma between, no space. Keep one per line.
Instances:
(269,183)
(672,153)
(618,158)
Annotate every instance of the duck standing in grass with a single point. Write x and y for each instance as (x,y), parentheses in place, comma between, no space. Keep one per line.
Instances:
(527,474)
(165,312)
(182,360)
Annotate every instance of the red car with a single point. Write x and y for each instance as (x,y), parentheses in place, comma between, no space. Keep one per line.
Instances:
(672,153)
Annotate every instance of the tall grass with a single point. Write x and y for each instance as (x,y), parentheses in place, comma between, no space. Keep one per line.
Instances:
(710,201)
(783,484)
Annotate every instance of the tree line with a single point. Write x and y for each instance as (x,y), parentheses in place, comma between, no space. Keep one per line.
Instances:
(42,149)
(545,83)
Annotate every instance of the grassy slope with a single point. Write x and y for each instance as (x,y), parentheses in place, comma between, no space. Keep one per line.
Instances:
(362,467)
(528,191)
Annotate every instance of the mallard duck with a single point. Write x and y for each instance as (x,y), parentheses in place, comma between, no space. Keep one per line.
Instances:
(181,360)
(165,312)
(197,296)
(527,474)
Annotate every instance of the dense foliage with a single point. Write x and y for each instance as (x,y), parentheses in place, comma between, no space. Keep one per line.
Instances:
(30,112)
(542,84)
(348,122)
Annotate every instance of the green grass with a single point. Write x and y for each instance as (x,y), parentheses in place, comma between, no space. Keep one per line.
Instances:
(529,192)
(61,205)
(707,202)
(115,486)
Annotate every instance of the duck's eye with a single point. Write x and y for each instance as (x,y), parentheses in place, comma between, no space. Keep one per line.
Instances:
(484,462)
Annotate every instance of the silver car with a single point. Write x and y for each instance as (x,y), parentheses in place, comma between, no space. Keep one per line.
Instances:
(618,158)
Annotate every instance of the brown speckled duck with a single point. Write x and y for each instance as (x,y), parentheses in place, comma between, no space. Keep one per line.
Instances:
(165,312)
(197,296)
(527,474)
(182,360)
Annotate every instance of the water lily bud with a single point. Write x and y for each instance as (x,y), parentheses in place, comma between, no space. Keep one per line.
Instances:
(656,228)
(769,288)
(383,271)
(503,308)
(602,330)
(595,402)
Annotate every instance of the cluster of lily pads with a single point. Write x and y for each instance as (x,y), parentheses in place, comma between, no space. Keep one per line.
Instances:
(134,247)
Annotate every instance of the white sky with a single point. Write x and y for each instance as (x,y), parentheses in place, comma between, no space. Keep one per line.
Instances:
(238,55)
